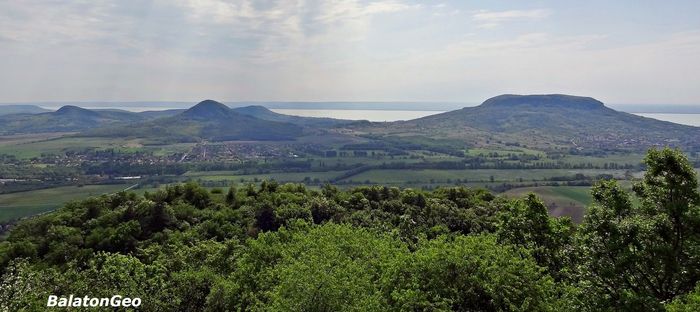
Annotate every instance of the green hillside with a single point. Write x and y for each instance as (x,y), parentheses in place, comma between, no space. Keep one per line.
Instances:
(208,120)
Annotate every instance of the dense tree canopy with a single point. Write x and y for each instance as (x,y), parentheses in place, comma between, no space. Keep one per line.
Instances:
(290,248)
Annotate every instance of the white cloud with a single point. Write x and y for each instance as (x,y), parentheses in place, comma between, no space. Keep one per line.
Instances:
(262,31)
(663,70)
(327,50)
(279,30)
(491,19)
(32,22)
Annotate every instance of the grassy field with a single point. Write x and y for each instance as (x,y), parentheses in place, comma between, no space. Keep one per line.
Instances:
(332,161)
(29,138)
(482,152)
(279,176)
(620,159)
(22,204)
(561,200)
(566,200)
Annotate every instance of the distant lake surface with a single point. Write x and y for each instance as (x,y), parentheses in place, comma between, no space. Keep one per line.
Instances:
(358,114)
(684,119)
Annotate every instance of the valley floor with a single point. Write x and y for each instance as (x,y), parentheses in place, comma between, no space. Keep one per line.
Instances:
(42,172)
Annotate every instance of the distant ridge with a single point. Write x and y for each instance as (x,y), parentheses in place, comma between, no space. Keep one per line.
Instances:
(161,106)
(207,120)
(68,118)
(76,111)
(165,105)
(21,109)
(547,122)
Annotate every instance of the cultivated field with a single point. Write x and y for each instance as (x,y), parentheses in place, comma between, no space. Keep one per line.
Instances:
(561,200)
(22,204)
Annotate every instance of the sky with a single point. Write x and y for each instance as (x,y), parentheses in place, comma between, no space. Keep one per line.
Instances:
(636,52)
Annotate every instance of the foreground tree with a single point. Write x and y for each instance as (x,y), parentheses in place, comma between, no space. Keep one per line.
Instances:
(469,273)
(307,268)
(639,256)
(686,303)
(526,223)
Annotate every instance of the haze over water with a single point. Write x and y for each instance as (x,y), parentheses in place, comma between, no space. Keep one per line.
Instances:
(683,119)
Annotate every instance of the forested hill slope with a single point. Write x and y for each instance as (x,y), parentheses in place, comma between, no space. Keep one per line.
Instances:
(551,121)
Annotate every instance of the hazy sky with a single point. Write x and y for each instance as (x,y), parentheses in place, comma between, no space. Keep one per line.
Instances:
(385,50)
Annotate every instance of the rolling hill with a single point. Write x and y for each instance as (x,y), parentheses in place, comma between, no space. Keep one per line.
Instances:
(66,119)
(545,121)
(208,120)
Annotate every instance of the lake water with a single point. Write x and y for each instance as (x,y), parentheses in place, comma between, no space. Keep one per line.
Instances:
(356,114)
(684,119)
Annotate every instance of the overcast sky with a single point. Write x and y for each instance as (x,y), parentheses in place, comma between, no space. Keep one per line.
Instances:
(385,50)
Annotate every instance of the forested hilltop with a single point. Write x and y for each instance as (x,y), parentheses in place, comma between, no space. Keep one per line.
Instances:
(289,248)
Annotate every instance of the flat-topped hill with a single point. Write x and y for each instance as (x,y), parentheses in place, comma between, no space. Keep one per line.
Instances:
(548,121)
(543,102)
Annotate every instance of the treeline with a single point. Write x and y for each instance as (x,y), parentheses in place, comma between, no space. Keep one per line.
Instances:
(485,163)
(288,248)
(130,168)
(30,172)
(24,177)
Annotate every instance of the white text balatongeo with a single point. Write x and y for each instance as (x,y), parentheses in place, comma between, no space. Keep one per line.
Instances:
(87,302)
